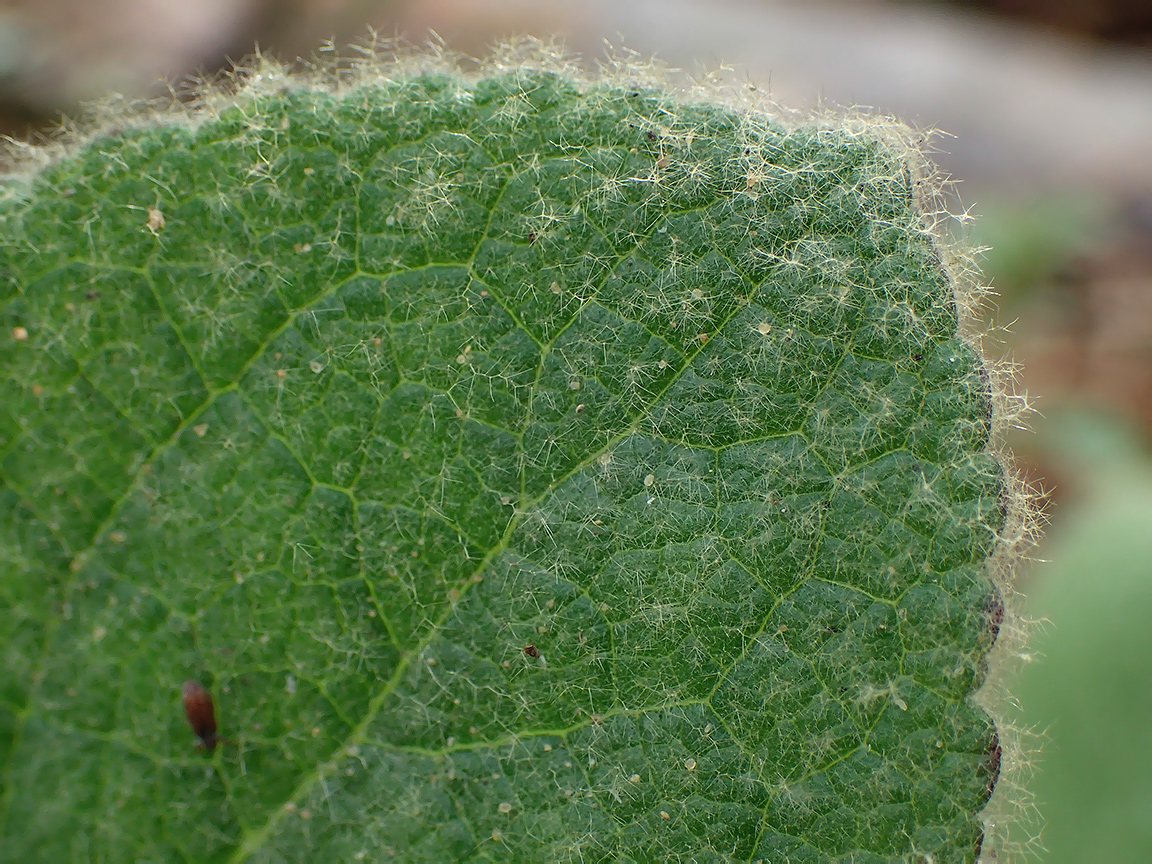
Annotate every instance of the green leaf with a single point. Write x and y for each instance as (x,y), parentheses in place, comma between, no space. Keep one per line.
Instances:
(339,400)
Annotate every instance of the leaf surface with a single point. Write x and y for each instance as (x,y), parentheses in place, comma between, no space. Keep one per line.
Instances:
(339,402)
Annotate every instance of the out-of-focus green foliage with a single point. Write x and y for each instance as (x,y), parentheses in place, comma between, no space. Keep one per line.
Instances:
(1090,687)
(1034,243)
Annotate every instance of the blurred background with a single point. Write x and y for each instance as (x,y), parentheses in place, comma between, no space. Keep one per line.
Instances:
(1047,110)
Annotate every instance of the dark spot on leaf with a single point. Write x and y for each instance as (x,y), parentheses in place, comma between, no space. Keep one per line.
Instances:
(201,713)
(918,357)
(995,614)
(651,135)
(532,651)
(990,767)
(986,394)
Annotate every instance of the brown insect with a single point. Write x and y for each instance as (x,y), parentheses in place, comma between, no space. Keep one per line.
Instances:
(201,714)
(532,651)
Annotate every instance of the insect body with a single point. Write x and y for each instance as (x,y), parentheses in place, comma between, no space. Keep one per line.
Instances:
(201,714)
